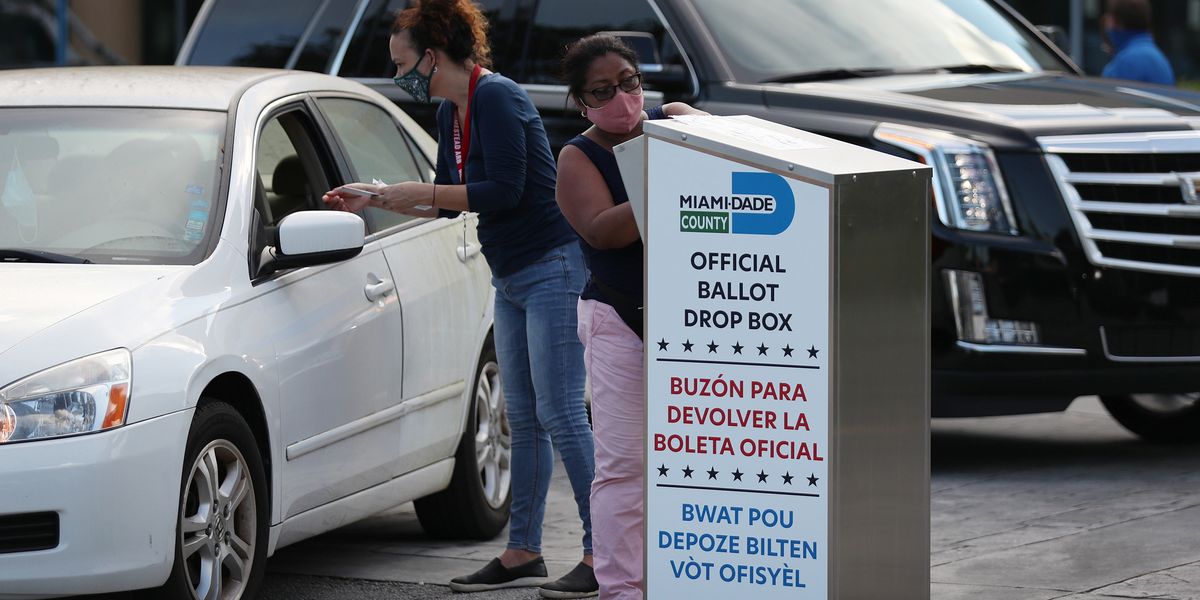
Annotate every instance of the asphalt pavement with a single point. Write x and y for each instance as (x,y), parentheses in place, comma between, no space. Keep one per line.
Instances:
(1060,506)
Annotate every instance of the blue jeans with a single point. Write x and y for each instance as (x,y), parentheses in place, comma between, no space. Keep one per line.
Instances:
(541,371)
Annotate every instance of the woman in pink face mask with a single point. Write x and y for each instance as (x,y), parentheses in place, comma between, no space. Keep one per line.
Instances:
(602,76)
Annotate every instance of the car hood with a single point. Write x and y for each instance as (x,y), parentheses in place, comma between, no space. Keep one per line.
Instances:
(37,296)
(1004,104)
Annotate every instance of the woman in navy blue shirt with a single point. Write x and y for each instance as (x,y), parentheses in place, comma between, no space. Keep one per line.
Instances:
(494,159)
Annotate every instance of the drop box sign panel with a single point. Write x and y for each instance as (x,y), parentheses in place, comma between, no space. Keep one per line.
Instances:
(738,379)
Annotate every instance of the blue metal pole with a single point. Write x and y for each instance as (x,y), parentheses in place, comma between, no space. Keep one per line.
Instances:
(63,32)
(1076,32)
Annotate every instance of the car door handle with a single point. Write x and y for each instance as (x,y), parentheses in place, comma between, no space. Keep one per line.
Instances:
(468,251)
(379,289)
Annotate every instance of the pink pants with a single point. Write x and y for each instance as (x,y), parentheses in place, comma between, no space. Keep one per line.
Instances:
(613,357)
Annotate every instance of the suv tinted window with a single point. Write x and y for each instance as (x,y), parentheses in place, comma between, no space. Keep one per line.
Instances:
(368,57)
(760,40)
(324,36)
(557,23)
(258,33)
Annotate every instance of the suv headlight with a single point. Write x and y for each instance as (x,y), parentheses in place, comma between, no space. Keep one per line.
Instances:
(82,396)
(968,190)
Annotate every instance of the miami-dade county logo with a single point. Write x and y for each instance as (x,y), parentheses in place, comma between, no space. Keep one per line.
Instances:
(758,204)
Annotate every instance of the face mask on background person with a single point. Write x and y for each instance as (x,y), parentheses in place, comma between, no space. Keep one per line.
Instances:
(416,84)
(620,116)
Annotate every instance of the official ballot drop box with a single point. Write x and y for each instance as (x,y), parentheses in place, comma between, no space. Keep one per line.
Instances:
(787,362)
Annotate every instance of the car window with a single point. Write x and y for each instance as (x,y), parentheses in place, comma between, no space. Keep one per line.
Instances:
(112,185)
(759,38)
(367,55)
(290,177)
(376,149)
(558,23)
(260,33)
(325,33)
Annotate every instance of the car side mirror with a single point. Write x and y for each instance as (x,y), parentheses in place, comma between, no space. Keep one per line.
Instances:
(312,237)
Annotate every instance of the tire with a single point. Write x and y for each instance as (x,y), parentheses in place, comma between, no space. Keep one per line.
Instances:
(1166,418)
(476,504)
(234,536)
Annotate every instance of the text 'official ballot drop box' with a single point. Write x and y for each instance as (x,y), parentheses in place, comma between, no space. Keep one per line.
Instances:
(787,362)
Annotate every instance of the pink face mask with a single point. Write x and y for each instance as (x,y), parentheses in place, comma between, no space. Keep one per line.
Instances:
(620,116)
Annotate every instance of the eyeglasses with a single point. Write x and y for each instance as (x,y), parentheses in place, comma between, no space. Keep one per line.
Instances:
(629,85)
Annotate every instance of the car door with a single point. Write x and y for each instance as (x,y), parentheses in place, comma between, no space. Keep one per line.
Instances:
(336,332)
(442,280)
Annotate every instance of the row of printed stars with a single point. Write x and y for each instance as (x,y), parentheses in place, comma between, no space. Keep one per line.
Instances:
(663,469)
(664,345)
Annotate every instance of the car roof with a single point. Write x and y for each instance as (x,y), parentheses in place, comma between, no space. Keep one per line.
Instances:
(205,88)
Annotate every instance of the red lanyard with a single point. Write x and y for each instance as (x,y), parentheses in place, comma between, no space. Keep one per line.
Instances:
(462,140)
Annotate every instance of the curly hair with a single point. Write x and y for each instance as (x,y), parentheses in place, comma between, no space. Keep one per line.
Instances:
(583,52)
(456,27)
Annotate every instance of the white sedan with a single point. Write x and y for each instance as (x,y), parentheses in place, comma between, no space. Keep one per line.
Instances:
(198,364)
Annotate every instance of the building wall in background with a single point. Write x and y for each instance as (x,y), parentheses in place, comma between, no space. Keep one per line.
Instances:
(115,23)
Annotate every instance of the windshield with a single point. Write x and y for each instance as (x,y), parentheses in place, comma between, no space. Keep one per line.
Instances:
(765,40)
(109,185)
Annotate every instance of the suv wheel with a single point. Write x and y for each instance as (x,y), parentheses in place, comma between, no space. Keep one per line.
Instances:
(1158,417)
(221,537)
(477,503)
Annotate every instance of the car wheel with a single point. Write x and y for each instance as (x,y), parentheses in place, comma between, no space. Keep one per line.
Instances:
(1158,417)
(221,537)
(477,503)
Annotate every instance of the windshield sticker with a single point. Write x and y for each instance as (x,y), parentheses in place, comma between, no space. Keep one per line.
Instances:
(18,201)
(198,207)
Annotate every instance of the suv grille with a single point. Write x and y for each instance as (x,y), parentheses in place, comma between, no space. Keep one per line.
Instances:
(1134,197)
(28,532)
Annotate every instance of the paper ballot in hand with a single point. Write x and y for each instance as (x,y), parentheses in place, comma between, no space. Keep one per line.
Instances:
(419,206)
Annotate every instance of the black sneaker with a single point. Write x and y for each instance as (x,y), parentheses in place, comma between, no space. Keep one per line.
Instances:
(495,576)
(579,583)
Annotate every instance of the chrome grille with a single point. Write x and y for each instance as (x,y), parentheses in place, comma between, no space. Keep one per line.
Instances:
(1134,197)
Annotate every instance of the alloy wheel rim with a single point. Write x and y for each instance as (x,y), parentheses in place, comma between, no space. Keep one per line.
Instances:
(493,436)
(1166,404)
(218,524)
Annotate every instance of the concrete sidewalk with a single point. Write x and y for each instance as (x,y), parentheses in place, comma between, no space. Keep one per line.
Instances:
(1023,508)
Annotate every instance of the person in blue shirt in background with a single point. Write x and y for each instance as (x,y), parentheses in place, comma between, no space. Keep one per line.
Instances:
(1135,57)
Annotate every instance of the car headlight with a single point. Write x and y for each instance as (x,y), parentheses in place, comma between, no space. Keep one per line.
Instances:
(82,396)
(968,190)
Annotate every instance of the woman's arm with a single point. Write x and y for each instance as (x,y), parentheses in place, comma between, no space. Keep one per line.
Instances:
(672,109)
(585,201)
(410,197)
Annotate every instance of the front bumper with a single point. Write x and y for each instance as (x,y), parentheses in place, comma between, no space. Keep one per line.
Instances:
(1103,331)
(116,495)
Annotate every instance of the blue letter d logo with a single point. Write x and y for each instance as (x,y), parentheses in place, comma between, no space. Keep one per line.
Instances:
(764,184)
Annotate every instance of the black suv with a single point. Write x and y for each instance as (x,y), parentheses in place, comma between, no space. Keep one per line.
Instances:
(1066,248)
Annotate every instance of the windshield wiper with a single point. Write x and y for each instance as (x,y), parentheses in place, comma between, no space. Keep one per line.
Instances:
(972,68)
(829,75)
(843,73)
(39,256)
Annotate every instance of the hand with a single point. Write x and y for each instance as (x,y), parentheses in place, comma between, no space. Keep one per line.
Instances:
(672,109)
(341,200)
(402,197)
